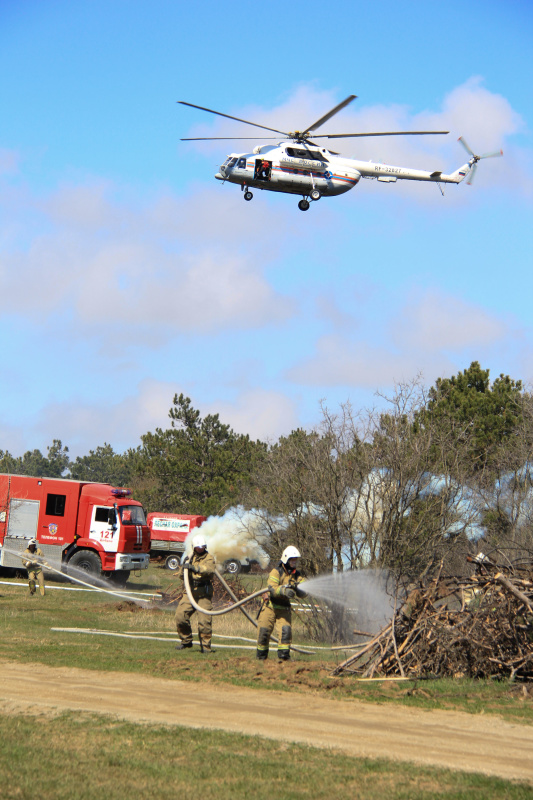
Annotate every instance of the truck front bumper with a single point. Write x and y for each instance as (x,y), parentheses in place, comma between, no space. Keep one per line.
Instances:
(132,561)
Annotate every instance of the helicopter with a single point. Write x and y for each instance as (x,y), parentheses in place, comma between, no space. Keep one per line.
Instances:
(297,165)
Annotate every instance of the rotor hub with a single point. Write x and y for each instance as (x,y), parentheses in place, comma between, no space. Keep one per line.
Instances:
(299,136)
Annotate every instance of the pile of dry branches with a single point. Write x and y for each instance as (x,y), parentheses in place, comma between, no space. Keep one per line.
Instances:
(481,627)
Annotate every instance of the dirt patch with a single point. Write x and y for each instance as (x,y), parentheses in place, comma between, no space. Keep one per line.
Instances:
(442,738)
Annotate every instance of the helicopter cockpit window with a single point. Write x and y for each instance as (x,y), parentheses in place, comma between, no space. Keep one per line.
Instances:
(241,163)
(231,163)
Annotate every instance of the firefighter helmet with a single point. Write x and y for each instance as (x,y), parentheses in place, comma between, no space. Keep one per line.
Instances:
(289,552)
(199,540)
(32,541)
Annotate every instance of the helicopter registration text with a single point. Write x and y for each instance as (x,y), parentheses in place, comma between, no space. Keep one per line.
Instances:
(302,163)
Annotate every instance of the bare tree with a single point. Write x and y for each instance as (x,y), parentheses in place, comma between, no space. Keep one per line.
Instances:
(361,490)
(428,508)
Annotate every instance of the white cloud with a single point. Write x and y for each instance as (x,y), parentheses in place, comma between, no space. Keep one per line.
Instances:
(261,413)
(434,320)
(85,207)
(340,362)
(429,333)
(480,115)
(116,264)
(82,426)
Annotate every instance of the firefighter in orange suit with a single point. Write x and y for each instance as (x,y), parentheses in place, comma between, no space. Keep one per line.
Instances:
(283,585)
(201,568)
(33,557)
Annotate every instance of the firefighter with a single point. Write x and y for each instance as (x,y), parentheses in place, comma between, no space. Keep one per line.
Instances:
(34,566)
(283,585)
(201,568)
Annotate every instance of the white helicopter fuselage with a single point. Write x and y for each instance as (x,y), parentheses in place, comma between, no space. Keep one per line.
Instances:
(292,168)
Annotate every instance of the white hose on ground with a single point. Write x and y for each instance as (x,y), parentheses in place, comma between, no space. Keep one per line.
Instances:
(237,604)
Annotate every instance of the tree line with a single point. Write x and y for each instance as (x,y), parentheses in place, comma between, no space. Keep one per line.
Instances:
(414,486)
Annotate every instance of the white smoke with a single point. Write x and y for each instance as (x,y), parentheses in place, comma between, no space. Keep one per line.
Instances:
(239,534)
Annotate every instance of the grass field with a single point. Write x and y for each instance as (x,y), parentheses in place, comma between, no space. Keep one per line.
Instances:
(88,757)
(85,757)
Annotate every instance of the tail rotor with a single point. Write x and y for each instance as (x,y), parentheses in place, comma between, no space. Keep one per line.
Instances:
(475,158)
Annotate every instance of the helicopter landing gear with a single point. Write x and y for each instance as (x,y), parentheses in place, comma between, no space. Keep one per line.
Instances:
(315,195)
(303,205)
(248,195)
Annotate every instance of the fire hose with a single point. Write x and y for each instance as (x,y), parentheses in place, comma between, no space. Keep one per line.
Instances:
(44,564)
(237,604)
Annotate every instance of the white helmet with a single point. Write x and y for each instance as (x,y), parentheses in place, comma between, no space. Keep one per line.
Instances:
(32,541)
(289,552)
(199,540)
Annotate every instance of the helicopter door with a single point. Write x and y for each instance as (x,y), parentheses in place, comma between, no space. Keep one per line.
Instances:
(263,169)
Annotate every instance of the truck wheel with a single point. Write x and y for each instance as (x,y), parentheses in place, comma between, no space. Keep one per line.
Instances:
(232,566)
(119,578)
(86,561)
(172,562)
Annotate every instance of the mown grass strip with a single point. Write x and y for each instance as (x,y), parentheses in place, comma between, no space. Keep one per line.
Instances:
(88,757)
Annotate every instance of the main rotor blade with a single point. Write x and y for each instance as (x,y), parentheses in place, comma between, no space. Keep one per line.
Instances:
(228,116)
(231,138)
(492,155)
(330,114)
(380,133)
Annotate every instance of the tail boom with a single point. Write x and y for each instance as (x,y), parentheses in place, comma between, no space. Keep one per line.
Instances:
(390,174)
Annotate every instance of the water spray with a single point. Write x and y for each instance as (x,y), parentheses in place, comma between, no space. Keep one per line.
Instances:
(71,577)
(365,594)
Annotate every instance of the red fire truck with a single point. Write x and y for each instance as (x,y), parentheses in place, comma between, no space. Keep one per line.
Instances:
(168,534)
(95,527)
(169,531)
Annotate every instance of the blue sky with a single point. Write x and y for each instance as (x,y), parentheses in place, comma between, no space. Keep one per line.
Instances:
(128,273)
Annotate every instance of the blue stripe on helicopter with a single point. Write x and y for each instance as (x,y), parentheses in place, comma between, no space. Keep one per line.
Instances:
(290,171)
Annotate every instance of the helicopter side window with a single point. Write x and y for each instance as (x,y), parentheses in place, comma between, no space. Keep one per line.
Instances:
(297,152)
(232,163)
(241,163)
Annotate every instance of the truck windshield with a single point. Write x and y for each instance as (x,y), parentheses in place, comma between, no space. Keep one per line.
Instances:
(132,515)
